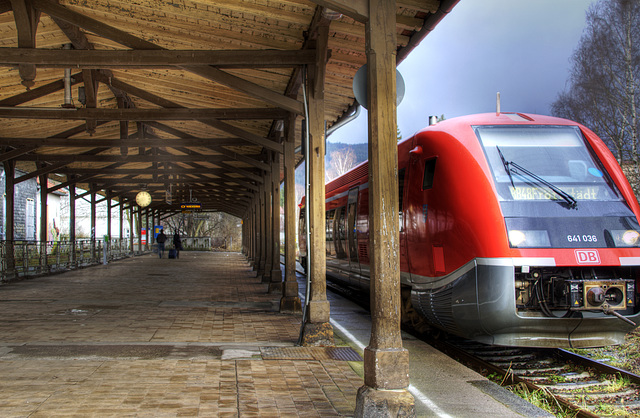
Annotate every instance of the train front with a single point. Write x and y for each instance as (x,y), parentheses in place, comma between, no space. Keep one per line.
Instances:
(568,274)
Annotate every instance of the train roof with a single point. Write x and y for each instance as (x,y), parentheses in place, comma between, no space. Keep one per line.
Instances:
(503,118)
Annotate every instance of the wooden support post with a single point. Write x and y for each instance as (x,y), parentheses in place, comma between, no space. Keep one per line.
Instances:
(317,330)
(72,223)
(268,231)
(131,228)
(290,302)
(275,285)
(251,235)
(139,229)
(146,227)
(386,362)
(43,223)
(93,223)
(124,127)
(9,173)
(262,231)
(109,205)
(121,221)
(43,208)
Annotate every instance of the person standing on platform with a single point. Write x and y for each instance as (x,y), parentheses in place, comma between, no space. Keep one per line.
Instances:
(177,243)
(160,239)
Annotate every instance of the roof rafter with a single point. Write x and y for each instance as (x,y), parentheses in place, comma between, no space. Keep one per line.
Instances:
(126,39)
(162,58)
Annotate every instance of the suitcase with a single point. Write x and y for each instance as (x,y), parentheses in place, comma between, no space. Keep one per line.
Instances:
(172,253)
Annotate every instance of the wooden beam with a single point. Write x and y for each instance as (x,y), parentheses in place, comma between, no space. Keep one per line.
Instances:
(86,58)
(124,38)
(135,91)
(26,18)
(21,155)
(425,6)
(213,143)
(197,173)
(355,9)
(110,114)
(41,91)
(246,135)
(252,89)
(18,152)
(91,97)
(5,6)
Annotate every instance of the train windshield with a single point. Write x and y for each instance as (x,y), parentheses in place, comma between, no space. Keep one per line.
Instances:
(553,190)
(543,163)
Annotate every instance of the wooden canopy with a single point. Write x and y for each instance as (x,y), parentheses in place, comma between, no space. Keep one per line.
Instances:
(188,96)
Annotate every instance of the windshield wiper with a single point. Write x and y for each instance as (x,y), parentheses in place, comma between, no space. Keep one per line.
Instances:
(506,166)
(511,167)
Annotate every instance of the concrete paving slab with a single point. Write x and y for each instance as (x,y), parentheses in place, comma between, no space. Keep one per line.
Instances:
(151,337)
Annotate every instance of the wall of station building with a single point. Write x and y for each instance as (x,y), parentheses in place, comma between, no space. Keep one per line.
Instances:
(25,208)
(27,214)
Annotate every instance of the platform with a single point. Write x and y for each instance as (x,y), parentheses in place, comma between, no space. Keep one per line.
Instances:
(198,336)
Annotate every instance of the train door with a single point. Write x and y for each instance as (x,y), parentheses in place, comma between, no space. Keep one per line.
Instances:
(352,236)
(338,235)
(423,254)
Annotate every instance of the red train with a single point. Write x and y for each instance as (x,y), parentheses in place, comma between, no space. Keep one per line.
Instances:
(515,229)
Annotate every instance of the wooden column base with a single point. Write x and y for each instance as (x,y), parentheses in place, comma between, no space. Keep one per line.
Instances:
(290,305)
(317,334)
(275,284)
(384,403)
(386,368)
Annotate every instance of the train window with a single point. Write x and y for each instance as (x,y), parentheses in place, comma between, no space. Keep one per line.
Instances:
(329,228)
(532,163)
(429,172)
(329,224)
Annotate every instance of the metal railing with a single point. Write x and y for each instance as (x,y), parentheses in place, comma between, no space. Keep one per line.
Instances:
(30,258)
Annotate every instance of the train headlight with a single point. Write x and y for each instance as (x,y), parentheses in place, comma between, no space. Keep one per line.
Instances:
(625,238)
(528,239)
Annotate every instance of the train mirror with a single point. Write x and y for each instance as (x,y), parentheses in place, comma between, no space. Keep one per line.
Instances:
(417,151)
(360,86)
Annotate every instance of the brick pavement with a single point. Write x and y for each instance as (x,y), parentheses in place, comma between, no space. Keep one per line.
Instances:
(149,337)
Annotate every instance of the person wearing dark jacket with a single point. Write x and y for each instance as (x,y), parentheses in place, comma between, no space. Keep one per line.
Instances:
(160,239)
(177,244)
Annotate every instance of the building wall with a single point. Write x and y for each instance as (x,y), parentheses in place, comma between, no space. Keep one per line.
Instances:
(83,219)
(25,222)
(26,214)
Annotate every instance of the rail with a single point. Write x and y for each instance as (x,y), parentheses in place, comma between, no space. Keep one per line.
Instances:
(19,259)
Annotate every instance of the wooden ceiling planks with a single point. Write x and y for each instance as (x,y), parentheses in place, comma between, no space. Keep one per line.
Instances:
(234,149)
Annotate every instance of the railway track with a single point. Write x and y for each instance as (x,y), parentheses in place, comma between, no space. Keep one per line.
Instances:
(579,385)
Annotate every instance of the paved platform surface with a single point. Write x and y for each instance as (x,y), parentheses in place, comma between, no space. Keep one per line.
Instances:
(197,336)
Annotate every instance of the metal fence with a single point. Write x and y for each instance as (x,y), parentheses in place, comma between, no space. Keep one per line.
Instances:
(30,258)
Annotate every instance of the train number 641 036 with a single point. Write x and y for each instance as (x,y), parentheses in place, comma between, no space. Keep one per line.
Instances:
(582,238)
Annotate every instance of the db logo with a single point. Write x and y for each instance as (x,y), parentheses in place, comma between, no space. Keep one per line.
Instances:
(587,257)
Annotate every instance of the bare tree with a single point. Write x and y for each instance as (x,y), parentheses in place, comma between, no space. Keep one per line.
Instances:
(604,91)
(221,227)
(342,161)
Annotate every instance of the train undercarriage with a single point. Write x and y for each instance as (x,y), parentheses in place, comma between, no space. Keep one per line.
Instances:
(568,291)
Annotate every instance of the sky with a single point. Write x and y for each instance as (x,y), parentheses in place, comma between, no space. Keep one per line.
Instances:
(520,48)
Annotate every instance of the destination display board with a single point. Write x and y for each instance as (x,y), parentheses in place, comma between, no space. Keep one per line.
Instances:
(187,207)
